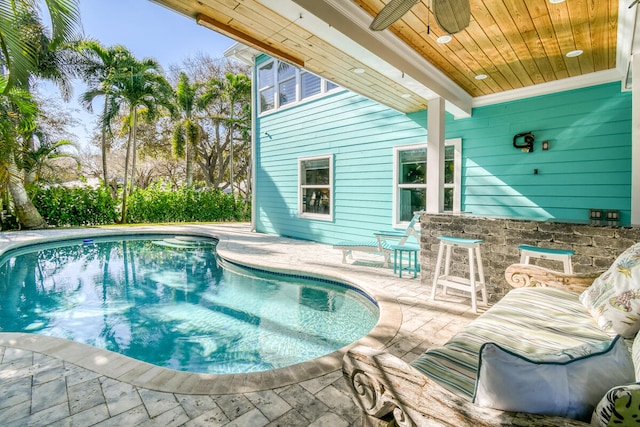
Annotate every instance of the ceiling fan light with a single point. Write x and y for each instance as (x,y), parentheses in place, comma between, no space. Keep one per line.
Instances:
(391,13)
(452,16)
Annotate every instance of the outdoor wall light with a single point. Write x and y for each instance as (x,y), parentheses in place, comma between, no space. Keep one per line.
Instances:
(527,146)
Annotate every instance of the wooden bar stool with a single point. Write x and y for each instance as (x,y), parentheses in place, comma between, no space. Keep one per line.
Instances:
(562,255)
(447,243)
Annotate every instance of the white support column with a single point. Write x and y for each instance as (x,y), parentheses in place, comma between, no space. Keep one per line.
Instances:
(435,155)
(254,142)
(635,141)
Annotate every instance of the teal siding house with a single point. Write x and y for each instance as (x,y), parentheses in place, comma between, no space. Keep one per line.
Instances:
(527,111)
(332,165)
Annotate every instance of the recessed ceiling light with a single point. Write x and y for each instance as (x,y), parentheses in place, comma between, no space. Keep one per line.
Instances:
(481,76)
(574,53)
(358,70)
(556,1)
(406,95)
(444,39)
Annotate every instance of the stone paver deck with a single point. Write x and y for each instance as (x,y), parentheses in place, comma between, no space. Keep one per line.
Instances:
(50,381)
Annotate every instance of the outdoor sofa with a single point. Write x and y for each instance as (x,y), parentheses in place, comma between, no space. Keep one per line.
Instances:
(554,351)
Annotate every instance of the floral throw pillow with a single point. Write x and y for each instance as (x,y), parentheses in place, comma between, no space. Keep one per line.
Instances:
(614,298)
(619,407)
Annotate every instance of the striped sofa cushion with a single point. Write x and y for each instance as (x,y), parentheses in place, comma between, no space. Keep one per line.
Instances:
(526,321)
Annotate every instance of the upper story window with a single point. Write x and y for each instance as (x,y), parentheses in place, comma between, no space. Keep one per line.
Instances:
(411,187)
(281,84)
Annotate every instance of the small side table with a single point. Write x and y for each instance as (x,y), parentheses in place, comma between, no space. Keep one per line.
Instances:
(562,255)
(398,255)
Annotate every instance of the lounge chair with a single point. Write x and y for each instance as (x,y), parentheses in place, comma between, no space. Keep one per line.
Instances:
(382,242)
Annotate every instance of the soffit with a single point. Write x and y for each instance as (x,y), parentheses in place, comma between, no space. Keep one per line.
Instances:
(517,44)
(273,31)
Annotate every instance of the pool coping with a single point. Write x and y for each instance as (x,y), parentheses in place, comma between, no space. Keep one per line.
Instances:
(123,368)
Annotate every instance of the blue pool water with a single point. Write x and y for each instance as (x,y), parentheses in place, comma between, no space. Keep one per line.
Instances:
(167,301)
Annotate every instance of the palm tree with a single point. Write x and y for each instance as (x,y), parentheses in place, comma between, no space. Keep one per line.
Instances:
(187,132)
(19,55)
(141,86)
(38,162)
(100,69)
(233,98)
(238,94)
(17,116)
(24,51)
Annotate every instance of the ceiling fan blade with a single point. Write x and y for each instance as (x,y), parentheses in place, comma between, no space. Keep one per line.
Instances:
(391,13)
(452,16)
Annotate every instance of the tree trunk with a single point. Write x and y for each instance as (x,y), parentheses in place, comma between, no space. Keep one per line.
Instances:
(103,146)
(125,185)
(189,156)
(27,214)
(30,145)
(133,151)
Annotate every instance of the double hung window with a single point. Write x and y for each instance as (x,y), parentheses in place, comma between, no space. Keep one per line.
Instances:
(315,198)
(411,187)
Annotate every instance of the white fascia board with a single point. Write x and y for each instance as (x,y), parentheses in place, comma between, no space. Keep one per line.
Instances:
(586,80)
(242,53)
(344,25)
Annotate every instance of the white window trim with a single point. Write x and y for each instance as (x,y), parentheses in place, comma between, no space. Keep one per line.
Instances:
(457,177)
(308,215)
(324,88)
(263,88)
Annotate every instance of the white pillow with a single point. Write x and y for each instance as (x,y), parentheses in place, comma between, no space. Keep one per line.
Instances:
(614,298)
(568,384)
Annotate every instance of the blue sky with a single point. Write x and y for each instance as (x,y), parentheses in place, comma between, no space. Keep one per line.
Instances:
(146,29)
(149,30)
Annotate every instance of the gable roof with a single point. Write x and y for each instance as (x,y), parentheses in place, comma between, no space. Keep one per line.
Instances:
(519,45)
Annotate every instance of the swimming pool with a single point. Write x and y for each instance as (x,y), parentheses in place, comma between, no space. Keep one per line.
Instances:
(166,300)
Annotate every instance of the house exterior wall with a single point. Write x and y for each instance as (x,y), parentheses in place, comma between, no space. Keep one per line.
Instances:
(587,166)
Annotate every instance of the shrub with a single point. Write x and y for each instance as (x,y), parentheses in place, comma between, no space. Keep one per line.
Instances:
(61,206)
(159,204)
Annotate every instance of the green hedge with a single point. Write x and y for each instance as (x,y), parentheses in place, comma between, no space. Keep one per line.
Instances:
(158,204)
(61,206)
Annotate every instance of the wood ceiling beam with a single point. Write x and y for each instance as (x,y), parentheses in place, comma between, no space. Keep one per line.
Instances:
(390,50)
(227,30)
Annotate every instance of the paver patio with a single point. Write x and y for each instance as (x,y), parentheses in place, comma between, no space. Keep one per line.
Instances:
(47,381)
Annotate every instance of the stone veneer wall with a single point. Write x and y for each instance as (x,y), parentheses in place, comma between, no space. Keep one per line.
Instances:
(596,246)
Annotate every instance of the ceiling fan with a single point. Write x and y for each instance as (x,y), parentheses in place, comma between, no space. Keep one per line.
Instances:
(451,15)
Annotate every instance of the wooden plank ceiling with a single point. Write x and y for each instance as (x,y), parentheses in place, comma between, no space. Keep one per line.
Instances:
(515,43)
